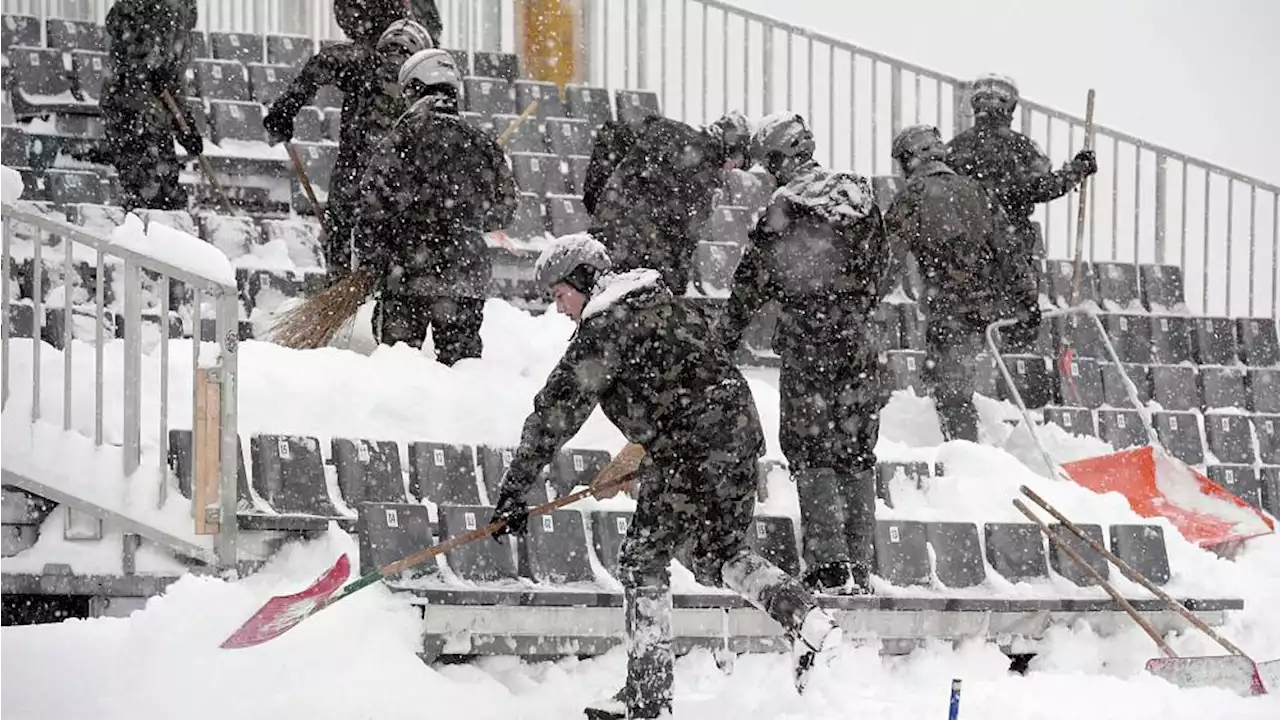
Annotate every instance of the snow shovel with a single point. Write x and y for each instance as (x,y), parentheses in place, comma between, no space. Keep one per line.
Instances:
(1153,481)
(1236,672)
(283,612)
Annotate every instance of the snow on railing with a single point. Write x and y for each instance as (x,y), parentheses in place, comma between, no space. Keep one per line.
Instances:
(161,256)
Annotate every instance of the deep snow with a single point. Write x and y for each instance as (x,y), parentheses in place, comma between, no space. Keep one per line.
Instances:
(357,659)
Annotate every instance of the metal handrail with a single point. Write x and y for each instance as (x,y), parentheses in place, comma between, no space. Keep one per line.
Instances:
(222,295)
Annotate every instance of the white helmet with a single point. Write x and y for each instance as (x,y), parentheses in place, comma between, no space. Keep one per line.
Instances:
(565,255)
(431,67)
(407,36)
(994,93)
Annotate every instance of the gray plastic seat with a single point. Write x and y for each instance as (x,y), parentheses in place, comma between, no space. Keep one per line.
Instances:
(68,187)
(268,82)
(1117,284)
(531,217)
(389,531)
(1270,481)
(539,174)
(309,125)
(490,96)
(1162,287)
(589,103)
(914,326)
(491,64)
(1032,375)
(368,471)
(569,136)
(1175,387)
(730,224)
(1229,438)
(68,35)
(1113,384)
(222,80)
(1215,341)
(774,538)
(608,531)
(1264,391)
(39,82)
(494,461)
(1082,333)
(89,70)
(1077,421)
(1142,548)
(1179,432)
(568,214)
(905,368)
(1082,387)
(957,550)
(288,472)
(241,47)
(290,50)
(442,473)
(1131,337)
(636,105)
(1240,480)
(578,165)
(902,552)
(20,30)
(1016,551)
(1061,274)
(240,121)
(180,460)
(554,550)
(485,561)
(545,93)
(1224,387)
(1171,340)
(1062,563)
(1267,429)
(573,468)
(1259,346)
(525,138)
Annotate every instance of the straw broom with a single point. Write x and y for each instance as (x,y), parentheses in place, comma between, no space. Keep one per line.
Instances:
(314,322)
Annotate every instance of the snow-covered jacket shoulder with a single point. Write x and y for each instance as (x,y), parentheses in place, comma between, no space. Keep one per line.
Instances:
(840,198)
(615,286)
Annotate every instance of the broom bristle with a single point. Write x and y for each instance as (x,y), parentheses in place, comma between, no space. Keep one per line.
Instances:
(313,323)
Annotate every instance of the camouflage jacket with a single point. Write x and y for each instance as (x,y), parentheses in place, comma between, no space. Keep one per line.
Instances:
(149,49)
(650,363)
(431,188)
(820,251)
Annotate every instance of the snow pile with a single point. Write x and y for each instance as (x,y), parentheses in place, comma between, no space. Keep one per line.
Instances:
(11,186)
(175,247)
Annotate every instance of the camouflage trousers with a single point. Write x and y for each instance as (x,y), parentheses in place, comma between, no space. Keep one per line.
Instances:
(701,509)
(953,346)
(142,151)
(454,321)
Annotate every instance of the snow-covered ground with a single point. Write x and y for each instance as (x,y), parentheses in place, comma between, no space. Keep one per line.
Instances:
(357,659)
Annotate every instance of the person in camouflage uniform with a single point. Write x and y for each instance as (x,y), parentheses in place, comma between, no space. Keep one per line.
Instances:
(970,264)
(433,186)
(820,251)
(1011,165)
(651,364)
(365,70)
(149,51)
(650,186)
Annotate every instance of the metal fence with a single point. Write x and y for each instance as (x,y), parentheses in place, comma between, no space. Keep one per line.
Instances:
(52,242)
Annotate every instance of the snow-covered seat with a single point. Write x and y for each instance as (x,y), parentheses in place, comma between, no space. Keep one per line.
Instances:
(554,550)
(180,461)
(1082,387)
(1240,480)
(389,531)
(574,467)
(1064,565)
(1113,384)
(199,45)
(905,369)
(20,30)
(568,214)
(310,125)
(1176,387)
(41,83)
(1061,275)
(525,138)
(1016,551)
(1075,420)
(288,473)
(902,552)
(13,145)
(240,47)
(578,165)
(1033,377)
(635,105)
(1179,432)
(301,237)
(589,103)
(236,121)
(67,35)
(492,64)
(221,80)
(1269,477)
(268,82)
(1162,288)
(1229,437)
(569,136)
(914,325)
(1224,387)
(774,538)
(1130,336)
(1142,547)
(290,50)
(539,173)
(888,326)
(494,461)
(443,473)
(917,473)
(1121,428)
(1267,429)
(1259,346)
(1171,339)
(608,531)
(545,93)
(957,550)
(1215,341)
(1117,285)
(489,96)
(88,69)
(716,262)
(67,187)
(730,224)
(1082,334)
(368,471)
(477,561)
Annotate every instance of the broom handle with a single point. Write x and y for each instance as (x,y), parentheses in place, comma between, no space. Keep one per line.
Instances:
(1080,214)
(204,163)
(1061,543)
(515,124)
(305,181)
(1134,574)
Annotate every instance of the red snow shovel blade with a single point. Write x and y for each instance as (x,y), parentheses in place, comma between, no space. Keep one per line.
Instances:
(1231,672)
(283,612)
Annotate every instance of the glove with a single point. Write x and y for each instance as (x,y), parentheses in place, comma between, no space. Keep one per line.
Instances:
(191,141)
(1084,164)
(279,128)
(514,512)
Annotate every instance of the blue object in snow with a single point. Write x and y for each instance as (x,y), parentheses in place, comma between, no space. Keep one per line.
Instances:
(954,714)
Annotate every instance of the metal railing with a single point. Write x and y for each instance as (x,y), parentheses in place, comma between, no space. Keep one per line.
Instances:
(61,241)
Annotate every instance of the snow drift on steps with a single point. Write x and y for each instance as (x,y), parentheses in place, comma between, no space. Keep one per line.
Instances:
(357,659)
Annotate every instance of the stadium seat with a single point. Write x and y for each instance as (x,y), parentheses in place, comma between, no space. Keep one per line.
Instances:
(774,538)
(494,461)
(1258,344)
(1161,288)
(1267,429)
(461,57)
(1269,478)
(328,97)
(1061,274)
(590,104)
(1077,421)
(531,217)
(486,561)
(635,105)
(310,126)
(715,263)
(608,531)
(1175,387)
(1117,285)
(1016,551)
(89,70)
(267,82)
(243,48)
(539,174)
(40,82)
(200,115)
(221,80)
(1131,337)
(390,531)
(1215,341)
(545,93)
(568,214)
(368,471)
(288,472)
(888,326)
(905,367)
(1170,340)
(526,137)
(68,35)
(232,234)
(442,473)
(1064,565)
(957,550)
(1142,548)
(13,150)
(1082,333)
(914,325)
(490,96)
(1179,432)
(333,122)
(576,467)
(290,50)
(1032,376)
(1229,438)
(480,122)
(731,224)
(20,30)
(1224,388)
(554,550)
(578,172)
(1264,391)
(505,66)
(68,187)
(1121,428)
(1113,384)
(1240,480)
(1082,387)
(300,237)
(180,461)
(199,45)
(902,552)
(318,159)
(236,121)
(568,136)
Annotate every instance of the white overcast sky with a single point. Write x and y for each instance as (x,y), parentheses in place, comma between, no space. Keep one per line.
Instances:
(1199,76)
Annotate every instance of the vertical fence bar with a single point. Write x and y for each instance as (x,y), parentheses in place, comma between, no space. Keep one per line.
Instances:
(1182,221)
(662,61)
(67,271)
(37,319)
(1275,253)
(1253,239)
(626,43)
(790,54)
(99,345)
(132,386)
(1048,207)
(5,330)
(808,81)
(746,66)
(604,44)
(229,442)
(917,98)
(831,105)
(937,104)
(895,101)
(162,492)
(1093,220)
(766,58)
(1227,246)
(1204,266)
(853,111)
(724,62)
(1162,171)
(1115,196)
(875,120)
(684,66)
(1137,203)
(706,72)
(642,45)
